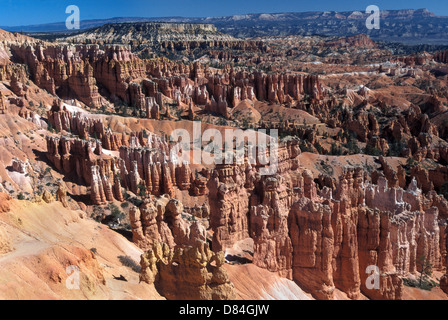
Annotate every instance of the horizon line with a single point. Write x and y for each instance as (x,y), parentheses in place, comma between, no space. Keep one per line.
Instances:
(217,16)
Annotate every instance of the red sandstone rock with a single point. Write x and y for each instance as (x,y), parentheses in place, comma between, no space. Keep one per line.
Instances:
(3,108)
(163,220)
(187,273)
(4,202)
(61,195)
(441,56)
(269,227)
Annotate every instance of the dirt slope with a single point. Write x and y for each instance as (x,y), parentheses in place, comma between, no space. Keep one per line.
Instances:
(44,239)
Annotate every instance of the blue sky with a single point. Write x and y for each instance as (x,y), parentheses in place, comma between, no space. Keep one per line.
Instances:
(26,12)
